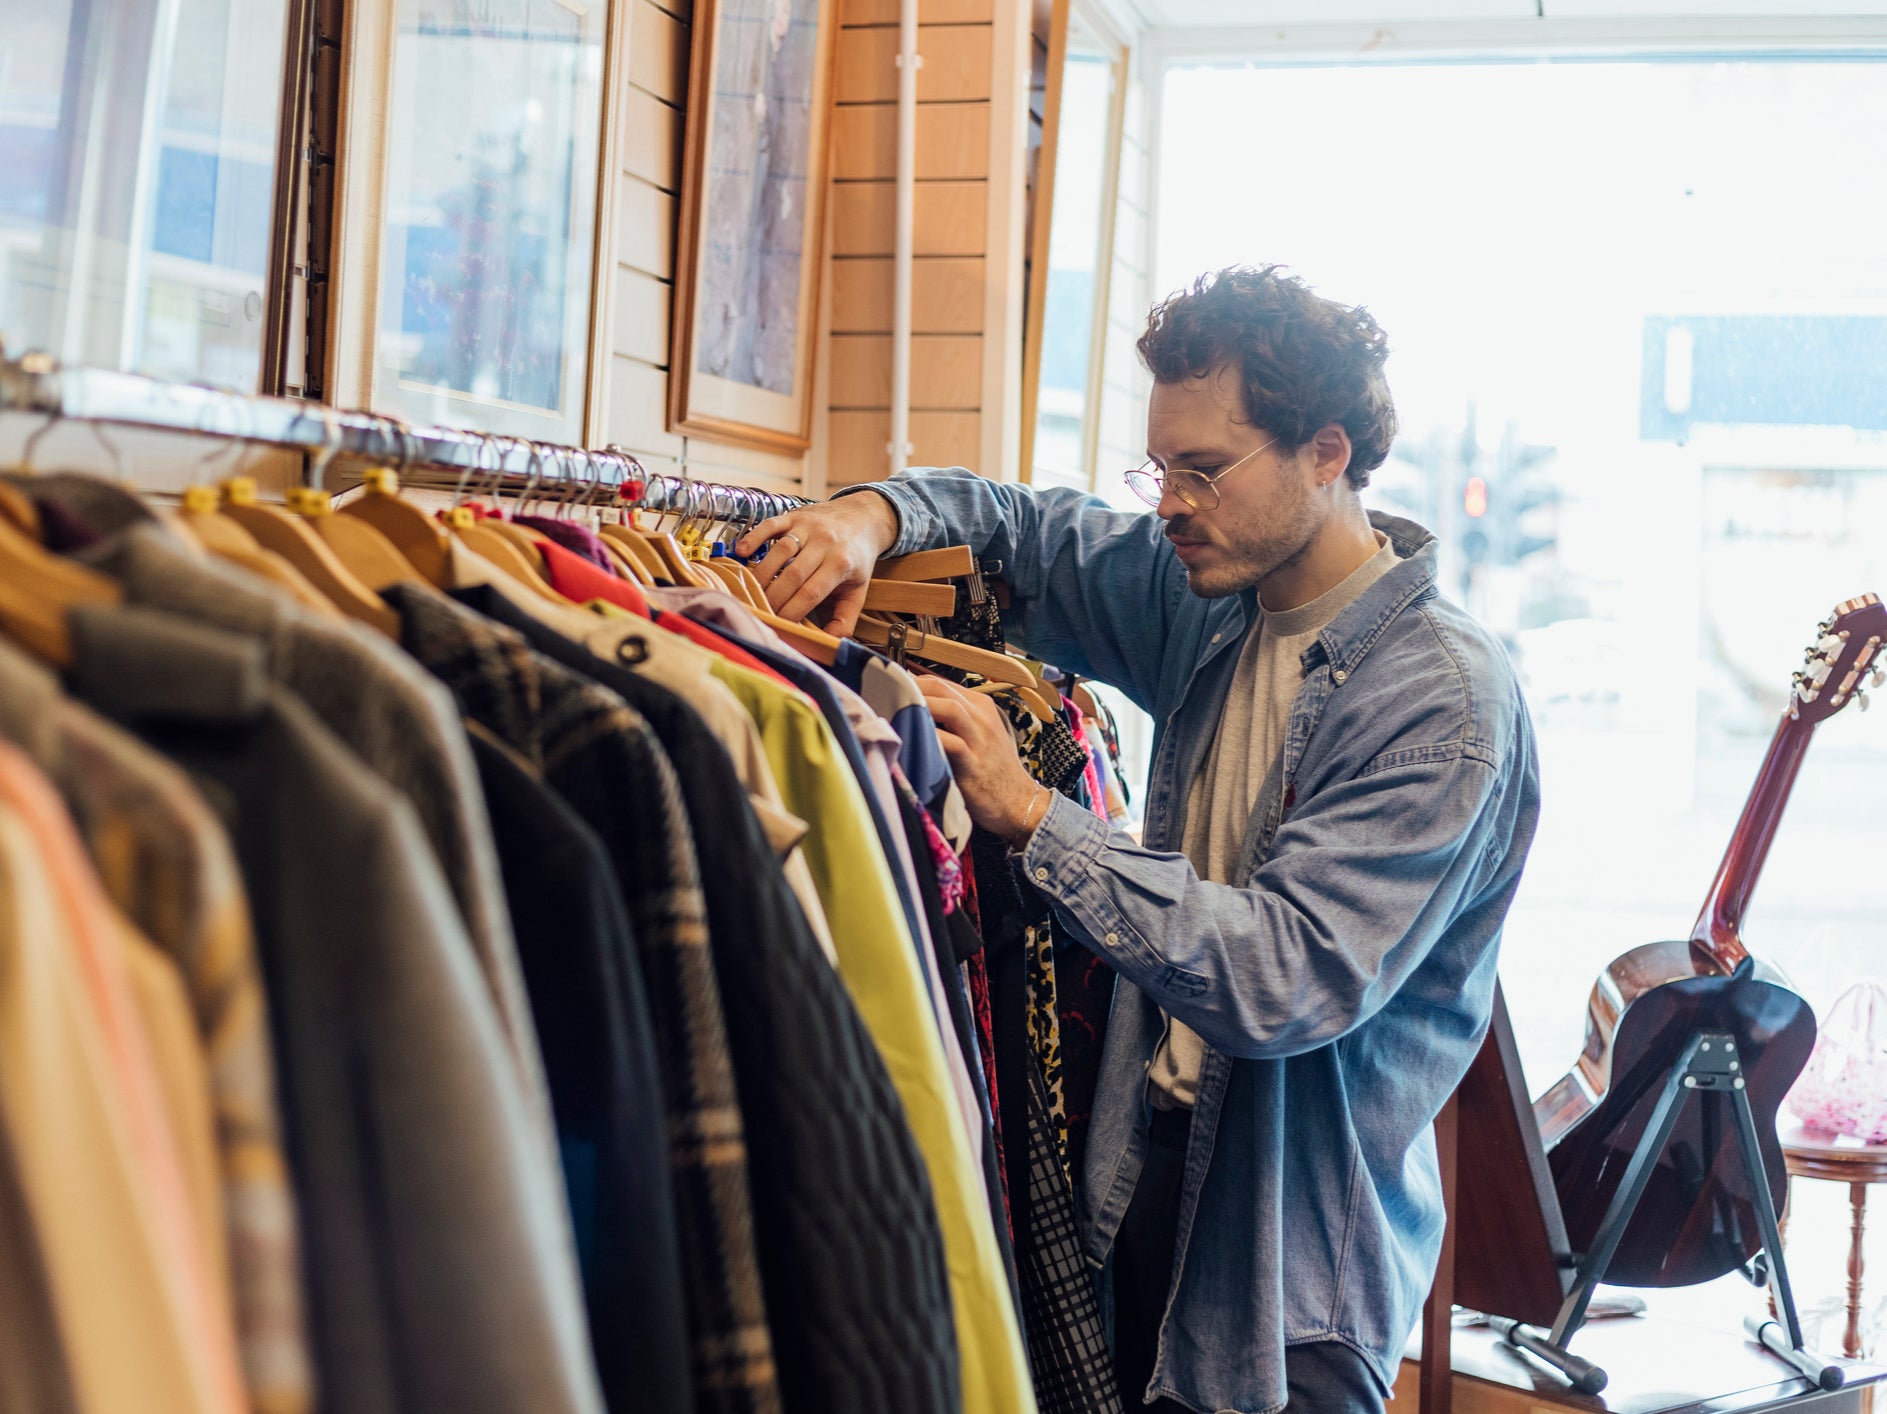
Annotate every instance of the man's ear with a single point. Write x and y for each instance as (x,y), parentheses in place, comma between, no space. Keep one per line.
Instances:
(1329,453)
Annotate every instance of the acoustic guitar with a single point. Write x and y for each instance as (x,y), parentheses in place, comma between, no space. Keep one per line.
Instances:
(1696,1220)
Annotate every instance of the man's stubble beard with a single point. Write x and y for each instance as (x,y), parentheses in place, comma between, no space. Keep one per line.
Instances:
(1246,565)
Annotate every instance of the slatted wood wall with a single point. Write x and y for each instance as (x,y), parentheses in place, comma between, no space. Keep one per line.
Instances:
(953,117)
(641,286)
(965,311)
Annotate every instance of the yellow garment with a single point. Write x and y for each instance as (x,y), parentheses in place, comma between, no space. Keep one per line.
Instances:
(89,1102)
(878,962)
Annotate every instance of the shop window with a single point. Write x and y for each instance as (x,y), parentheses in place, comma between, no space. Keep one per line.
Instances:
(486,225)
(137,179)
(1639,346)
(1072,250)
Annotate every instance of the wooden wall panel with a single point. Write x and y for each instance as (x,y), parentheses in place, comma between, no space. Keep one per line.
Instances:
(956,64)
(658,52)
(858,442)
(952,141)
(638,408)
(949,218)
(640,324)
(650,141)
(929,12)
(946,371)
(946,296)
(647,196)
(645,228)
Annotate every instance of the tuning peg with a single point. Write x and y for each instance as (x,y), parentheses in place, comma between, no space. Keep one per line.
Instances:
(1880,677)
(1861,697)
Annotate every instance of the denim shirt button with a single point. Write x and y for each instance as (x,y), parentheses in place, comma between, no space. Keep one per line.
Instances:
(1113,939)
(1217,636)
(1339,675)
(1041,876)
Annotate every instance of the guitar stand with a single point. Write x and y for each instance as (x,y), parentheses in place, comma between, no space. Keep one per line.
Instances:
(1708,1062)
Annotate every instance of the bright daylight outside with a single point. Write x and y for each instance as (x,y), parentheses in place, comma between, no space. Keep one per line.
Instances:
(1638,316)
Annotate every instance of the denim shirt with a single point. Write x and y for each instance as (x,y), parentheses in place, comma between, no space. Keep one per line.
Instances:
(1342,991)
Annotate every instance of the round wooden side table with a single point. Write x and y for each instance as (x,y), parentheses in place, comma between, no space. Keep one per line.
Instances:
(1810,1153)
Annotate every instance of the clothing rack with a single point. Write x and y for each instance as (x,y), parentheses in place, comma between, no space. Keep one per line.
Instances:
(449,458)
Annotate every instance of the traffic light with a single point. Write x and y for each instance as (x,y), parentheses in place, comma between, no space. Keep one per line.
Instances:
(1521,492)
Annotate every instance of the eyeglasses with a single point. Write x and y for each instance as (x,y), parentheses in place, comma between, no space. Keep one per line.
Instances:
(1195,488)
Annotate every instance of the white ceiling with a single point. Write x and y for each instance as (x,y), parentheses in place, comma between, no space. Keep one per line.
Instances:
(1236,13)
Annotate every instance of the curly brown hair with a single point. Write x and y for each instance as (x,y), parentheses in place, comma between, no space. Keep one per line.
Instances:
(1305,361)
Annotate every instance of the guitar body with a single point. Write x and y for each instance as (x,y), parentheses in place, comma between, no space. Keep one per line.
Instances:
(1696,1220)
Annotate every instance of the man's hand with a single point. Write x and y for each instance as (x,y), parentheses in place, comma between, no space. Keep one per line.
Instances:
(1001,795)
(822,552)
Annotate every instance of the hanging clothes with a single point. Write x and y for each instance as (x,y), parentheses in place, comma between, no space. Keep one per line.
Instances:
(162,858)
(396,721)
(600,1050)
(877,1330)
(557,1007)
(100,1164)
(380,1014)
(601,756)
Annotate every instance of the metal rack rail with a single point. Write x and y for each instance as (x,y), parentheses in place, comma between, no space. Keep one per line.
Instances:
(438,457)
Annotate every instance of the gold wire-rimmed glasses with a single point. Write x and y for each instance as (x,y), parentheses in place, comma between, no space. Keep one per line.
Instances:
(1195,488)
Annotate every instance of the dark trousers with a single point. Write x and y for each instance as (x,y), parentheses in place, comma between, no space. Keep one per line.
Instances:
(1324,1377)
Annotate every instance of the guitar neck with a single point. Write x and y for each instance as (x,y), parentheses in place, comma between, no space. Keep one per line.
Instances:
(1719,927)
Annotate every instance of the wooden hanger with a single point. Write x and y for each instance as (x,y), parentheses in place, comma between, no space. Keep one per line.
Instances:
(627,565)
(218,534)
(999,668)
(507,548)
(481,537)
(815,643)
(294,540)
(952,562)
(937,601)
(356,543)
(17,508)
(413,533)
(633,544)
(38,589)
(229,542)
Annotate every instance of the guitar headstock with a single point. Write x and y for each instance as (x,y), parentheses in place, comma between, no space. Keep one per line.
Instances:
(1846,658)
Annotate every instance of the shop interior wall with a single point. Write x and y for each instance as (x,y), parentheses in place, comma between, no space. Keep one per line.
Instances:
(966,282)
(641,285)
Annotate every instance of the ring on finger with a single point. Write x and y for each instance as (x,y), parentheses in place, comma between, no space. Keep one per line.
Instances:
(798,544)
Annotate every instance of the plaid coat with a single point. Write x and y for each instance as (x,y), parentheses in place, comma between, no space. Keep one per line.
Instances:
(599,754)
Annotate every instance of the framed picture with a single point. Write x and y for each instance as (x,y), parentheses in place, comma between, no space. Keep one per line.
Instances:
(470,234)
(752,221)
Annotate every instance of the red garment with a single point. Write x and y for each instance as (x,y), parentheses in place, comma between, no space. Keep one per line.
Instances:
(580,581)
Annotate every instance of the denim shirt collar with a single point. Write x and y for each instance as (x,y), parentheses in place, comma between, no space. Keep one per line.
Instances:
(1347,639)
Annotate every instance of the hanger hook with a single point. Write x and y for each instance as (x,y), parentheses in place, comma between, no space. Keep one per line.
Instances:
(330,447)
(536,468)
(567,458)
(465,472)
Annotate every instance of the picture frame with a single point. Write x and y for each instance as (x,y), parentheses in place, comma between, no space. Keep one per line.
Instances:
(468,294)
(750,252)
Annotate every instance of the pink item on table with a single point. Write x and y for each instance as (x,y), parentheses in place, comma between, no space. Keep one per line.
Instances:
(1843,1088)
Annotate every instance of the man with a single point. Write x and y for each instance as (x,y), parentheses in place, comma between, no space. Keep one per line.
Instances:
(1342,795)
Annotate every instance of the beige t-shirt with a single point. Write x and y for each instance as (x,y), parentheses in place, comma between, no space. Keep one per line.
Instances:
(1224,793)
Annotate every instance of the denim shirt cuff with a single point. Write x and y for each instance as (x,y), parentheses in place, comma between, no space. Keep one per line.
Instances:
(916,525)
(1066,842)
